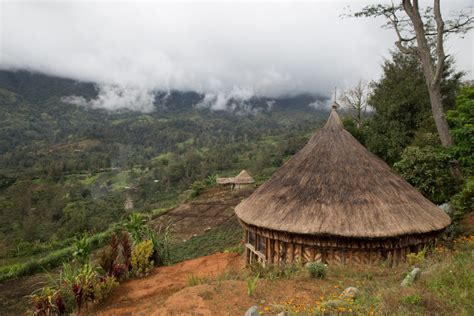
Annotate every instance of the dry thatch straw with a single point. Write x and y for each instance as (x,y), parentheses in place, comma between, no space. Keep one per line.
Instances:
(242,178)
(336,187)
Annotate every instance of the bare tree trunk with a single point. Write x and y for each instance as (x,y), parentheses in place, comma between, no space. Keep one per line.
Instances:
(440,119)
(432,69)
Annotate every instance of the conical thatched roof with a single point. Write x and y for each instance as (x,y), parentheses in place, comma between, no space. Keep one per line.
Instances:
(244,178)
(334,186)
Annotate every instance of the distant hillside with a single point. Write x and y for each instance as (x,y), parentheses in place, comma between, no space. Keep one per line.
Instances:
(34,118)
(67,169)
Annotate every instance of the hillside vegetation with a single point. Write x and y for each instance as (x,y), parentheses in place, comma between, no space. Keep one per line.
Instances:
(66,170)
(77,184)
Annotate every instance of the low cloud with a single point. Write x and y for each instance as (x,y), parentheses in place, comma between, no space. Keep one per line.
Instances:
(113,97)
(226,51)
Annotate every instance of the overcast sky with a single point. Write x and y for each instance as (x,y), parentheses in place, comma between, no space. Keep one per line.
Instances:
(221,49)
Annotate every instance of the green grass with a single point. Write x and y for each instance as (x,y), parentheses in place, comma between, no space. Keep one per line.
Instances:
(218,239)
(90,180)
(52,259)
(120,180)
(453,281)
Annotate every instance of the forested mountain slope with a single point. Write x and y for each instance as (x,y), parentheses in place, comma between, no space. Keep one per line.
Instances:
(67,169)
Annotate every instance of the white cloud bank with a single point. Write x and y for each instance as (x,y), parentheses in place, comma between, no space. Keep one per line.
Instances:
(222,50)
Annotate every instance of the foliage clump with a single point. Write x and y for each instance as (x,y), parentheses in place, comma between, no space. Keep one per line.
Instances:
(252,284)
(141,258)
(416,258)
(317,269)
(429,170)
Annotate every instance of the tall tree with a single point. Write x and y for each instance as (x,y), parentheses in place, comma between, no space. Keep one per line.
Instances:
(424,34)
(355,100)
(401,102)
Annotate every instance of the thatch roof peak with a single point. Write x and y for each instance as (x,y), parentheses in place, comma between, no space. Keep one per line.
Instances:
(335,187)
(242,178)
(334,120)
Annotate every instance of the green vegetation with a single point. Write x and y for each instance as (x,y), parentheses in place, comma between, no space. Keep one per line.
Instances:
(193,280)
(428,169)
(52,259)
(71,179)
(252,284)
(217,239)
(453,282)
(317,270)
(67,170)
(402,131)
(82,282)
(142,254)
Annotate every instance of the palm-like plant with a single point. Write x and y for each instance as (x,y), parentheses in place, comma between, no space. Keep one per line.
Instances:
(136,226)
(82,249)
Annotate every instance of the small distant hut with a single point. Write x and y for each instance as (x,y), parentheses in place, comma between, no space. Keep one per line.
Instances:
(336,202)
(242,180)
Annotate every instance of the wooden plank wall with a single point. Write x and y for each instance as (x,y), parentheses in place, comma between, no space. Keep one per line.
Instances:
(279,252)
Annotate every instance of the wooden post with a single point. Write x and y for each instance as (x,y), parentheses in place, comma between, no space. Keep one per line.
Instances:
(300,252)
(270,250)
(290,251)
(312,253)
(277,249)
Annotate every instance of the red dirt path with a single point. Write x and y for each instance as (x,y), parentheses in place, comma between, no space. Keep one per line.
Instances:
(148,295)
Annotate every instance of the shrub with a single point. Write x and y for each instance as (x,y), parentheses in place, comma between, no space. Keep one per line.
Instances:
(141,258)
(197,187)
(82,249)
(414,258)
(317,269)
(109,255)
(461,121)
(83,287)
(126,250)
(136,226)
(48,302)
(273,272)
(211,181)
(103,287)
(463,202)
(429,170)
(162,244)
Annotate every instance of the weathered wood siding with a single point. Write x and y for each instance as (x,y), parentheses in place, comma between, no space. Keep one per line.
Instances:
(332,250)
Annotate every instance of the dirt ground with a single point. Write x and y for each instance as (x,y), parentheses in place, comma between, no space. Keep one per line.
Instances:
(167,291)
(467,224)
(221,290)
(13,293)
(212,208)
(148,295)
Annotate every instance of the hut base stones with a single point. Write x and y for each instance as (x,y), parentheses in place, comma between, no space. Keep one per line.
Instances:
(337,203)
(241,181)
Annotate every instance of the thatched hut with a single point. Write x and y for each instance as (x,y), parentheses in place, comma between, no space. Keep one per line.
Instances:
(242,180)
(336,202)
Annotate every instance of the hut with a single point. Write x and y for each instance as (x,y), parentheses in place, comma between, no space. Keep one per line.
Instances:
(335,202)
(242,180)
